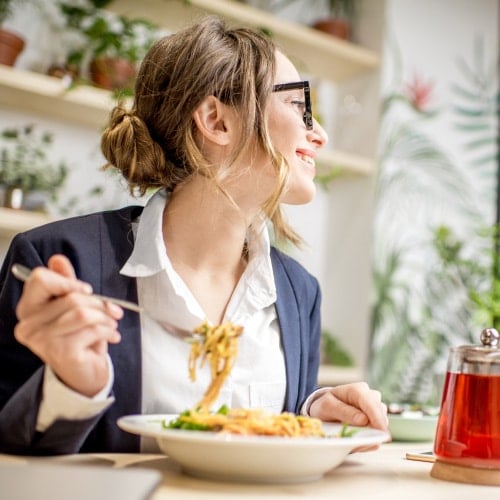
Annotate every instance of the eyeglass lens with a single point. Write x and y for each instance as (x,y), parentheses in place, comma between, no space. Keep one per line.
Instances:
(307,117)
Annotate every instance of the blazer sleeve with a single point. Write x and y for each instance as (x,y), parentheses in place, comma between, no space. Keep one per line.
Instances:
(97,245)
(21,375)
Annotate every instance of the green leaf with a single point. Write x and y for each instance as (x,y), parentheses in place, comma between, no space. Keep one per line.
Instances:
(346,431)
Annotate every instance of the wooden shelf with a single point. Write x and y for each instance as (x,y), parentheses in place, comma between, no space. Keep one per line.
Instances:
(16,221)
(336,375)
(35,92)
(317,53)
(39,93)
(344,163)
(311,50)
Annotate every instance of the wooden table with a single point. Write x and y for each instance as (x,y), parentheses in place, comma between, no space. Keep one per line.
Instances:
(381,474)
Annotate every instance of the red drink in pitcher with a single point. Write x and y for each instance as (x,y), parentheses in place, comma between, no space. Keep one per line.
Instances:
(468,431)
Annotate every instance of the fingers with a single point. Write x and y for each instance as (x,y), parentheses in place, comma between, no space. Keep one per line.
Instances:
(64,316)
(355,404)
(367,403)
(44,284)
(67,327)
(73,340)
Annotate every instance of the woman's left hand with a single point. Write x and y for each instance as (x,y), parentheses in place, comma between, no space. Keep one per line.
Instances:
(353,404)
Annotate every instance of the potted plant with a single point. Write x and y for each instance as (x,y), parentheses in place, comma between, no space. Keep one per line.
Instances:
(339,22)
(11,44)
(25,165)
(111,45)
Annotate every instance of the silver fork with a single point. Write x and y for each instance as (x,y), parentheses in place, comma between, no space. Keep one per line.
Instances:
(22,273)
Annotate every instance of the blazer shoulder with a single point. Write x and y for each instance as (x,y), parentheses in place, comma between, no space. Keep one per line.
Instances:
(294,270)
(92,242)
(76,224)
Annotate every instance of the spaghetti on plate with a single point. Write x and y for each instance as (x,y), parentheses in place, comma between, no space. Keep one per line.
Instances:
(219,346)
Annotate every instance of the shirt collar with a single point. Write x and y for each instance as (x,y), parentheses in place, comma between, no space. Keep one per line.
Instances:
(150,257)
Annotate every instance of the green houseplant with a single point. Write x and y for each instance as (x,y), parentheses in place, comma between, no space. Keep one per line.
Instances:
(457,290)
(11,44)
(333,351)
(26,166)
(111,45)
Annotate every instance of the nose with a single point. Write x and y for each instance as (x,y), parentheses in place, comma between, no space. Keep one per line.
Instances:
(318,135)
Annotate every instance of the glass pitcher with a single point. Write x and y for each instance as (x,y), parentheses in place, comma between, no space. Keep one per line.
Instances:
(468,430)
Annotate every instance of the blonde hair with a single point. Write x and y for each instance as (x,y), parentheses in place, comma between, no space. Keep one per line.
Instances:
(153,145)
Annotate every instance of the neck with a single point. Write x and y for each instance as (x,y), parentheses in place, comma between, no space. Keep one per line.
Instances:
(205,240)
(207,233)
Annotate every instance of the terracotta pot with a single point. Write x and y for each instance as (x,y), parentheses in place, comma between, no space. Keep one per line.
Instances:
(337,27)
(11,45)
(112,74)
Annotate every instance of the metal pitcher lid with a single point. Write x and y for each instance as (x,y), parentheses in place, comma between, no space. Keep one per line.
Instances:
(490,337)
(488,352)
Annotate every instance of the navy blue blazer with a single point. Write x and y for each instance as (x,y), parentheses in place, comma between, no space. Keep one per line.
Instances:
(98,245)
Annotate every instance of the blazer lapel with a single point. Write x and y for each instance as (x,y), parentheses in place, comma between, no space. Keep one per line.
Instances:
(126,355)
(289,321)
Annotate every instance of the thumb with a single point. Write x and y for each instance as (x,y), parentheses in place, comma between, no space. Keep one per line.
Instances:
(61,265)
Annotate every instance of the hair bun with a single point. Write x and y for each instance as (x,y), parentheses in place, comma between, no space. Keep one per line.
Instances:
(119,114)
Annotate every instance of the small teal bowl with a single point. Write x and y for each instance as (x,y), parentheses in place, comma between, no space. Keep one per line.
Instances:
(412,428)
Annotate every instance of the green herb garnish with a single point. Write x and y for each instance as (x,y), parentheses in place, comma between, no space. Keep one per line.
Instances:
(346,432)
(184,420)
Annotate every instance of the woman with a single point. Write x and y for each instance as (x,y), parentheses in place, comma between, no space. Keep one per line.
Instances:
(222,125)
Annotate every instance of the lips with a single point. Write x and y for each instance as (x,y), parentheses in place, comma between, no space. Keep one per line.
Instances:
(307,155)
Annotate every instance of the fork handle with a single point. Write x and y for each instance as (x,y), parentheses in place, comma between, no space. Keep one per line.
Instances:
(22,273)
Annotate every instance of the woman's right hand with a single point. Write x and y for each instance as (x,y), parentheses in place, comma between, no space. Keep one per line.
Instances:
(66,326)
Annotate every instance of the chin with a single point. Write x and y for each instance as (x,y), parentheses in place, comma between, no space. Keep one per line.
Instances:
(300,197)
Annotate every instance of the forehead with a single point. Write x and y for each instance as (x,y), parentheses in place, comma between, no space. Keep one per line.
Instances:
(285,70)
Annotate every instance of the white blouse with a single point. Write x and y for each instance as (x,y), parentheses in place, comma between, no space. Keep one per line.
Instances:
(258,378)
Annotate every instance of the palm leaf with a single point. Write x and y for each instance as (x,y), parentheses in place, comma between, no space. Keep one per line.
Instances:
(476,108)
(420,169)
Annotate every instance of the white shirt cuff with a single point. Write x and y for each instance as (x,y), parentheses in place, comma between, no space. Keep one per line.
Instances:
(311,398)
(61,402)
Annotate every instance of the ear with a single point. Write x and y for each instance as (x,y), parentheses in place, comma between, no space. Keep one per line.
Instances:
(214,120)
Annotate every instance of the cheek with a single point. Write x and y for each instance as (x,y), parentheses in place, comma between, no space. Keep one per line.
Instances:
(282,134)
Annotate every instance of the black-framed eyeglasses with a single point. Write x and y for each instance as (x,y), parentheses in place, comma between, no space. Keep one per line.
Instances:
(307,117)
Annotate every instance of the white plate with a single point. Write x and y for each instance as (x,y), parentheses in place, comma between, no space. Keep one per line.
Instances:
(251,458)
(412,427)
